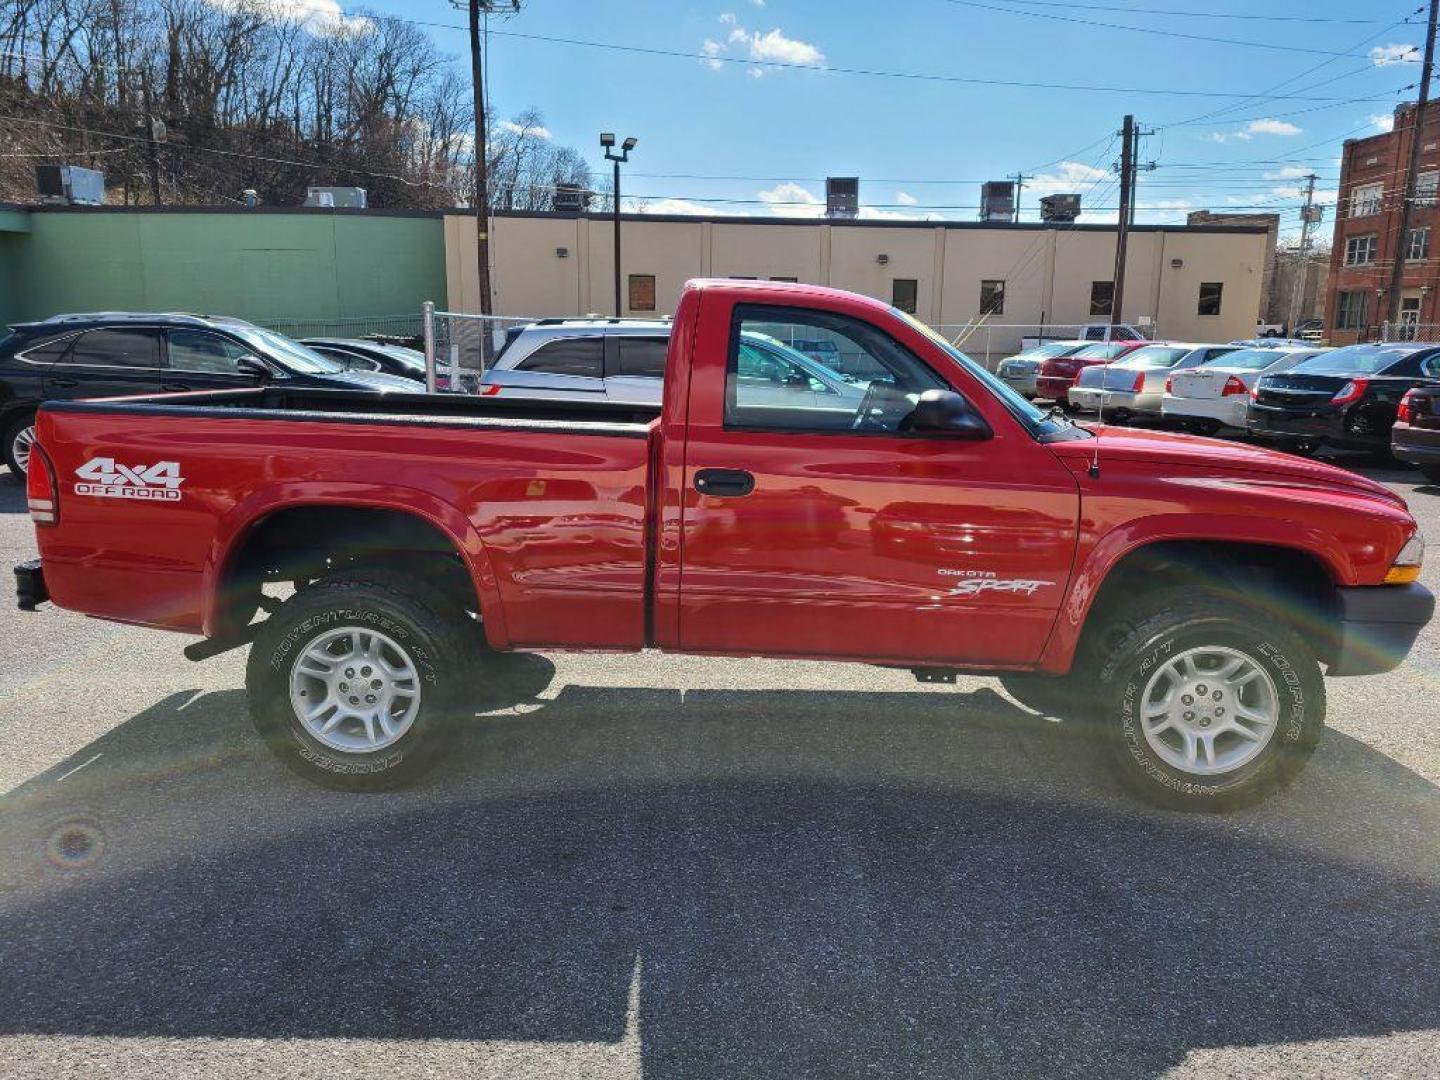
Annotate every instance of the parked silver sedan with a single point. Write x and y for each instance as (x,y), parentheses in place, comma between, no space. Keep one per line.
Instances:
(1020,371)
(1217,396)
(1133,386)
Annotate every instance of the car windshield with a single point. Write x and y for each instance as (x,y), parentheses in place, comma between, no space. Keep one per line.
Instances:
(1105,350)
(1247,359)
(1037,420)
(288,352)
(410,358)
(1356,360)
(1150,357)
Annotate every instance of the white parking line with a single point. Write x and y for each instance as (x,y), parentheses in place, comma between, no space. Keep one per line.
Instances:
(77,768)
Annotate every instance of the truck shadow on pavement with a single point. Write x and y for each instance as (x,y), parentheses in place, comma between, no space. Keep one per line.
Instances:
(12,493)
(809,883)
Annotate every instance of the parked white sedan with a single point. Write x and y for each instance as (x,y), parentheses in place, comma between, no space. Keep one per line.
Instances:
(1216,395)
(1132,386)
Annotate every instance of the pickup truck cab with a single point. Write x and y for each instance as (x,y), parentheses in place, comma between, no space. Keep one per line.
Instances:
(1179,594)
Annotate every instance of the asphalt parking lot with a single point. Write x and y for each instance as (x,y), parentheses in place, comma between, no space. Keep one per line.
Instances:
(680,867)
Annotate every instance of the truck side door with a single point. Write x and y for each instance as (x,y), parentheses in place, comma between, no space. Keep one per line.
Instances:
(810,531)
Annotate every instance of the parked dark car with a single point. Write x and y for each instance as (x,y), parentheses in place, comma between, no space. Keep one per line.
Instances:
(360,354)
(116,353)
(1345,398)
(1415,438)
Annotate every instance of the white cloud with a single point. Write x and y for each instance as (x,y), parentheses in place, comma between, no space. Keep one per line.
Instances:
(319,17)
(1069,177)
(1381,55)
(728,18)
(1383,121)
(676,206)
(792,200)
(1271,127)
(738,36)
(756,73)
(777,47)
(1289,172)
(904,198)
(758,3)
(532,132)
(713,49)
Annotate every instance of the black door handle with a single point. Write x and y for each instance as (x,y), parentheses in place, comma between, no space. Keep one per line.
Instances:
(175,386)
(724,482)
(65,384)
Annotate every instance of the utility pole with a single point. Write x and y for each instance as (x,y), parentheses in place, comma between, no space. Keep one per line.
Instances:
(477,8)
(1417,132)
(1302,267)
(1122,230)
(1019,179)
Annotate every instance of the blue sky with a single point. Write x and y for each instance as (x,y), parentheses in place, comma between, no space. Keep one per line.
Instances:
(921,146)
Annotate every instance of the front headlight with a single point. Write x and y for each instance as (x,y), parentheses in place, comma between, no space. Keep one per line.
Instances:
(1406,567)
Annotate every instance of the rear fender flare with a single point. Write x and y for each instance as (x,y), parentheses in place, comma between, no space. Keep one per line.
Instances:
(236,525)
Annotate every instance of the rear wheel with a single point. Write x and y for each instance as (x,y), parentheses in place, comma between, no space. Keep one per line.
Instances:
(354,684)
(19,442)
(1213,706)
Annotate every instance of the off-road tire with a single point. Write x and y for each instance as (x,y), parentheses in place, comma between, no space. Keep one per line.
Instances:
(438,639)
(13,429)
(1170,624)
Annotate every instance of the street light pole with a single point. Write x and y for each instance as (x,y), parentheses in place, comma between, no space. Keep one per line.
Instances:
(607,140)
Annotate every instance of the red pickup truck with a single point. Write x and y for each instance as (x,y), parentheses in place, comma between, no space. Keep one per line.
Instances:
(1177,594)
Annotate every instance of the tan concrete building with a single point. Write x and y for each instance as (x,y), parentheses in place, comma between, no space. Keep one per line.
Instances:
(1200,283)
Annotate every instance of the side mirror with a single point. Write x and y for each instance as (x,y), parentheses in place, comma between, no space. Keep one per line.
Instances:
(250,365)
(944,412)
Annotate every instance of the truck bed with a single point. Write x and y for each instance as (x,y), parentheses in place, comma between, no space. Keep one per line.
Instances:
(368,407)
(543,501)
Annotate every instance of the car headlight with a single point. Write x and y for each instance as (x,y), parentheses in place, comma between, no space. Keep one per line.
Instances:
(1406,567)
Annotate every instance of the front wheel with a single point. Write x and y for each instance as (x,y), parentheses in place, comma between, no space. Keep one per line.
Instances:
(19,442)
(1214,706)
(353,683)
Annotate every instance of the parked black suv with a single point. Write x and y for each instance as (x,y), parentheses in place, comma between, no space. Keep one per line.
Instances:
(1345,398)
(362,354)
(113,353)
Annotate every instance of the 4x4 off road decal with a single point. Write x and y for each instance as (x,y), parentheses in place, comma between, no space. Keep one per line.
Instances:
(106,479)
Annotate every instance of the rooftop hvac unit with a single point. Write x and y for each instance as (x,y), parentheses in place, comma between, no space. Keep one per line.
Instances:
(350,198)
(570,198)
(997,200)
(1060,208)
(842,196)
(69,185)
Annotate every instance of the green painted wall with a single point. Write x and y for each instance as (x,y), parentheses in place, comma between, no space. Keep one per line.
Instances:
(266,267)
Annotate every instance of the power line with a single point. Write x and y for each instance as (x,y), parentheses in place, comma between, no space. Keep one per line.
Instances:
(1193,14)
(1150,30)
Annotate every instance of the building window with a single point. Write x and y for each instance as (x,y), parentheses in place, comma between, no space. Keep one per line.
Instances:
(1102,298)
(1352,310)
(1365,199)
(904,294)
(992,298)
(1427,185)
(1360,250)
(642,292)
(1210,293)
(1417,245)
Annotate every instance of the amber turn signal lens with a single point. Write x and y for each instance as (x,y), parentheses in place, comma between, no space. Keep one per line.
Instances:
(1402,575)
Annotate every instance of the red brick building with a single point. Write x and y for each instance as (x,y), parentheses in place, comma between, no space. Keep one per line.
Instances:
(1367,226)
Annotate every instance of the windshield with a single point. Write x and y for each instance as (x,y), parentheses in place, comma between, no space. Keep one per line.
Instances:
(1154,356)
(1247,359)
(1104,351)
(1037,420)
(410,358)
(288,352)
(1356,360)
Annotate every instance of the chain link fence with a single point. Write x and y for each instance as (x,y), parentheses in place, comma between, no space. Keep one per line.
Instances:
(404,330)
(461,345)
(989,343)
(1408,330)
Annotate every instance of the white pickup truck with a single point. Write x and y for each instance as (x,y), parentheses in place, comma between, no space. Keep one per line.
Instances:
(1095,331)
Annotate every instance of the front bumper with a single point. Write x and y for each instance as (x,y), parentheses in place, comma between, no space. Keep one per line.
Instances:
(30,591)
(1377,626)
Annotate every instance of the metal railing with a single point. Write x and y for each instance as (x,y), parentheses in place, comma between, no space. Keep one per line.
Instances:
(989,343)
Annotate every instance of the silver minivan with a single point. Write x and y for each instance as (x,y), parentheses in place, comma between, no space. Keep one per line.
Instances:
(623,360)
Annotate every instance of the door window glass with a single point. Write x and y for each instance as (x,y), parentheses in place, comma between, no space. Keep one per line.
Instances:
(116,348)
(198,350)
(642,356)
(584,357)
(771,385)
